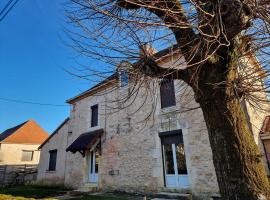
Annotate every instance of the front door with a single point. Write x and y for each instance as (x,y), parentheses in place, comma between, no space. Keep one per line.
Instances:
(175,165)
(93,166)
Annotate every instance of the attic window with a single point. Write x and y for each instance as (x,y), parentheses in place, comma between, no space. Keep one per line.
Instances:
(124,78)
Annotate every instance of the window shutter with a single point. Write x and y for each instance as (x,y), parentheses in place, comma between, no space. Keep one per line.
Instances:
(52,160)
(27,155)
(123,78)
(167,93)
(94,117)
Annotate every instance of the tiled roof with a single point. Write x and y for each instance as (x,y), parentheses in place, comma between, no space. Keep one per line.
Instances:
(85,141)
(28,132)
(10,131)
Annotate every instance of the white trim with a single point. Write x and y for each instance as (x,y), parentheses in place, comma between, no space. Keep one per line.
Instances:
(175,180)
(90,128)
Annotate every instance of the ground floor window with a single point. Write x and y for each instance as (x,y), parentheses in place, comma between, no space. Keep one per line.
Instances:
(52,160)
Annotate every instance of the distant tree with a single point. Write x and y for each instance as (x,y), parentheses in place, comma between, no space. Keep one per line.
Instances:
(218,40)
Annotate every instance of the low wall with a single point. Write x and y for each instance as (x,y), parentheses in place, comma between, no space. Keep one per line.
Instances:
(17,174)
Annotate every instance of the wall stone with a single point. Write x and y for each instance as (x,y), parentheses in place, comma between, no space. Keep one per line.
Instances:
(131,153)
(59,142)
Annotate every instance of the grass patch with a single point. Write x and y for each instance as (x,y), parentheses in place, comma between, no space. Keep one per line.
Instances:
(9,197)
(108,196)
(33,191)
(94,197)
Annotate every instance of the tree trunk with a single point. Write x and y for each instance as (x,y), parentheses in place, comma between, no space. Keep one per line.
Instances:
(237,159)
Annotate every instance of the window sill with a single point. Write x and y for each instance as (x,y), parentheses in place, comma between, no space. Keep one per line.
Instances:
(94,128)
(169,109)
(50,172)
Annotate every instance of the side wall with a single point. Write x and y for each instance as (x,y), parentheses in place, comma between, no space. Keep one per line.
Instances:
(11,154)
(59,142)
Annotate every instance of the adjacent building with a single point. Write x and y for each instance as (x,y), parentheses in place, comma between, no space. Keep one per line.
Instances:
(19,144)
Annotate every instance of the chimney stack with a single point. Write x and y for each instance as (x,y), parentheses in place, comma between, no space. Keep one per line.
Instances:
(147,50)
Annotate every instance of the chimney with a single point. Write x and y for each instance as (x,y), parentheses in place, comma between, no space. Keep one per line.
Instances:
(147,50)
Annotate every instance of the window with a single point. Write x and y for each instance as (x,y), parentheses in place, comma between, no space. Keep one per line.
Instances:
(27,155)
(266,145)
(94,116)
(52,160)
(123,78)
(167,93)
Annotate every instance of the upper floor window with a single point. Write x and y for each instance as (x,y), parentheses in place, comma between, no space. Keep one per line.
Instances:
(27,155)
(52,160)
(167,93)
(124,78)
(94,115)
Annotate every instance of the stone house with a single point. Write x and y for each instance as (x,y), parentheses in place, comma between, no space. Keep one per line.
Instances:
(19,144)
(155,142)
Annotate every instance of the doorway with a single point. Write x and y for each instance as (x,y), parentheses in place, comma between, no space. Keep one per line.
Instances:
(94,157)
(174,160)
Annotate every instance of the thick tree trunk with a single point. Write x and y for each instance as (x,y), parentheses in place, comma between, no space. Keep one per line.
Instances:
(237,159)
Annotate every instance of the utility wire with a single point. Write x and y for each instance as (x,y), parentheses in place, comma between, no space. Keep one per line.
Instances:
(33,103)
(6,6)
(10,8)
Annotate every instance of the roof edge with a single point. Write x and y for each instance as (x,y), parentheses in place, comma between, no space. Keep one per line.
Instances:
(160,55)
(93,89)
(54,132)
(18,127)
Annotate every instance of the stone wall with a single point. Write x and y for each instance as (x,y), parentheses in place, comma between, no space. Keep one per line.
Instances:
(80,122)
(57,141)
(131,152)
(131,147)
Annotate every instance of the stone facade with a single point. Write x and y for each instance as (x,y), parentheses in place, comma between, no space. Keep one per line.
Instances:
(131,151)
(131,147)
(57,141)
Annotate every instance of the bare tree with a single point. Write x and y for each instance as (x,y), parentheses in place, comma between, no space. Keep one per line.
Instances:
(217,41)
